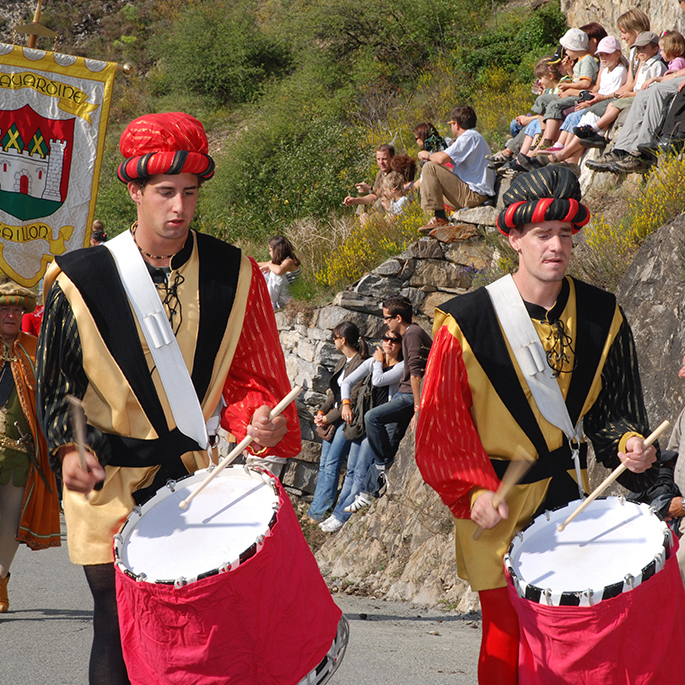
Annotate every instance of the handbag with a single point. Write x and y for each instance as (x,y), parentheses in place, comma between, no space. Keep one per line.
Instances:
(326,432)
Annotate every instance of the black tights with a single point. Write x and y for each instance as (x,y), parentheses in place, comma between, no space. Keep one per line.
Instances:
(106,659)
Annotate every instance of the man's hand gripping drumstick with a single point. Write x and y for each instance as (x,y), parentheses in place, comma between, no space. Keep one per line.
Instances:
(81,470)
(490,507)
(639,456)
(267,429)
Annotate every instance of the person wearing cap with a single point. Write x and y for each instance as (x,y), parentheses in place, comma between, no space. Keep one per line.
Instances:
(650,65)
(29,508)
(568,150)
(96,344)
(477,402)
(469,183)
(585,69)
(633,151)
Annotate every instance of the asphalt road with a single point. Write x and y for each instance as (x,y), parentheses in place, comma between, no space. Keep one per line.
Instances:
(46,635)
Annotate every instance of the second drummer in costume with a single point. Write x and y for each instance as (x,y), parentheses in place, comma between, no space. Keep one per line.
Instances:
(93,346)
(29,509)
(478,407)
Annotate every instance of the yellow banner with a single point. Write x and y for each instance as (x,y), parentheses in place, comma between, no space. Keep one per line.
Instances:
(71,99)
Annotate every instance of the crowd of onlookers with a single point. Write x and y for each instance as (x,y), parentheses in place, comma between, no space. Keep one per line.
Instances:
(371,401)
(454,173)
(583,90)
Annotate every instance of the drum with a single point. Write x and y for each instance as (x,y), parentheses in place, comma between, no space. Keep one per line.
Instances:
(225,591)
(595,601)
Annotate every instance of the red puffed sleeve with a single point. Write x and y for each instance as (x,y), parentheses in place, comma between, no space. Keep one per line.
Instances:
(258,375)
(449,452)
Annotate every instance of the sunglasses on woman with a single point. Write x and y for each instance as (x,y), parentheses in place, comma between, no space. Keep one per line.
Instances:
(387,338)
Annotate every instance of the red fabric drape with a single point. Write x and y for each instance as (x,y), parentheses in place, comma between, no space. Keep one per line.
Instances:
(637,638)
(269,622)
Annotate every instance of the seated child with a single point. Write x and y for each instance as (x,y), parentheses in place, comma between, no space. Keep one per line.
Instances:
(612,76)
(651,65)
(548,75)
(393,198)
(575,42)
(282,269)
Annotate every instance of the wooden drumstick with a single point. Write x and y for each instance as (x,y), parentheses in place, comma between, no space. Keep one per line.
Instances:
(78,425)
(610,478)
(516,470)
(276,411)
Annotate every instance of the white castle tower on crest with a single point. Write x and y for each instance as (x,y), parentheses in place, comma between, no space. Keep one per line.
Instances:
(32,174)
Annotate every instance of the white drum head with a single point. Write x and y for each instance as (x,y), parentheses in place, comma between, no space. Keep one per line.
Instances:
(611,547)
(167,544)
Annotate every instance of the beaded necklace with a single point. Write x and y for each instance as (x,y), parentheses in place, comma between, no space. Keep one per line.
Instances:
(134,228)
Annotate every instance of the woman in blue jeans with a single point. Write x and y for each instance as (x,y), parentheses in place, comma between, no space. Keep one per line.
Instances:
(386,367)
(351,345)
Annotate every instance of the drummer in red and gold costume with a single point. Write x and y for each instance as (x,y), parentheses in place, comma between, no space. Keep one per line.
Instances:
(478,408)
(93,346)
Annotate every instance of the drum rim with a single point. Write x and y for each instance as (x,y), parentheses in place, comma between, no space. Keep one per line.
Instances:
(118,539)
(541,595)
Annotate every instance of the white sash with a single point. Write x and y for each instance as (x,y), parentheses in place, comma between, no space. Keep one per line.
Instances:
(160,338)
(530,355)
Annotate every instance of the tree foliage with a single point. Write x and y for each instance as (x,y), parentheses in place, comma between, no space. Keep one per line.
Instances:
(220,50)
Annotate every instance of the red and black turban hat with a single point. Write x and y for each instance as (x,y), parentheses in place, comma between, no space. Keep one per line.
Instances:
(551,193)
(168,143)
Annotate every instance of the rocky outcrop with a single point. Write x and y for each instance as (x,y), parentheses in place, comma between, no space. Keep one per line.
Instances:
(402,547)
(652,294)
(663,15)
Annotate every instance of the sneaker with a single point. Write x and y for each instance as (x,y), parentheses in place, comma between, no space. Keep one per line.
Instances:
(499,157)
(593,140)
(435,222)
(331,524)
(513,165)
(631,165)
(583,131)
(529,163)
(605,162)
(362,500)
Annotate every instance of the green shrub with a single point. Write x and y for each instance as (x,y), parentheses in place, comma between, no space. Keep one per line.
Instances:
(219,50)
(278,171)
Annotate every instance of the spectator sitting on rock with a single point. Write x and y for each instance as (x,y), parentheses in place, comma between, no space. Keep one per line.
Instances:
(648,108)
(548,75)
(630,25)
(406,166)
(387,424)
(98,235)
(330,420)
(470,183)
(280,270)
(393,199)
(428,139)
(595,33)
(585,70)
(384,155)
(387,369)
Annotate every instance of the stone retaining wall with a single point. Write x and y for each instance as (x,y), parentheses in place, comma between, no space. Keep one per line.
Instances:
(429,272)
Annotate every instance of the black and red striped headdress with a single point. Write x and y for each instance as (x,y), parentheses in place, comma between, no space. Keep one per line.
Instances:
(168,143)
(551,193)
